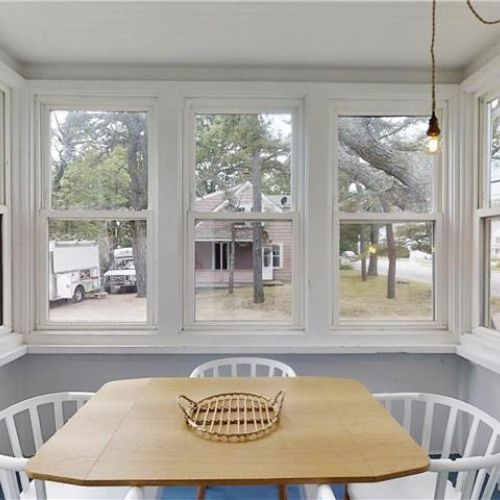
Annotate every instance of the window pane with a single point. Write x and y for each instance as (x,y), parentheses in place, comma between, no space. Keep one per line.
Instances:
(382,166)
(243,162)
(97,271)
(494,175)
(386,271)
(234,275)
(492,274)
(98,159)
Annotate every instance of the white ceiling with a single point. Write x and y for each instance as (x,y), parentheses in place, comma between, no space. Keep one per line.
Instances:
(338,34)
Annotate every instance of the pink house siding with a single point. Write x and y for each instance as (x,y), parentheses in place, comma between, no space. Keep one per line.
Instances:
(207,233)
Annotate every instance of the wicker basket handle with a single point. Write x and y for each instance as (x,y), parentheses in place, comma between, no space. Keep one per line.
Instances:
(277,402)
(186,405)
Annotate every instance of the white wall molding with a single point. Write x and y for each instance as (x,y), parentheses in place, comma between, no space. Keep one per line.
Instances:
(236,73)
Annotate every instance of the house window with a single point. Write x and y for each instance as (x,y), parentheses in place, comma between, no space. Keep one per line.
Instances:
(277,256)
(243,214)
(95,217)
(386,220)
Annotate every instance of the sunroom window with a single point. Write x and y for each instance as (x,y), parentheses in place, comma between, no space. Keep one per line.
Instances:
(386,219)
(243,216)
(95,217)
(489,214)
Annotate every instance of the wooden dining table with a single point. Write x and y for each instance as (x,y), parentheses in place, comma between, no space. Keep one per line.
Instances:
(133,433)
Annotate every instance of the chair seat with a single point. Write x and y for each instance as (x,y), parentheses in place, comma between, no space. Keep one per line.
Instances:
(70,492)
(417,487)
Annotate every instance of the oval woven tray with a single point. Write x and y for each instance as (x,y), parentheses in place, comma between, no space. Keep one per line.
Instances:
(232,417)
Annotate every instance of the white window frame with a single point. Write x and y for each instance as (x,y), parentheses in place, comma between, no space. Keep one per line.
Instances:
(440,306)
(483,214)
(215,105)
(5,203)
(43,107)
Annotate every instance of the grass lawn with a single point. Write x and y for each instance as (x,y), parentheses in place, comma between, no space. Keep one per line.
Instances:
(367,300)
(216,304)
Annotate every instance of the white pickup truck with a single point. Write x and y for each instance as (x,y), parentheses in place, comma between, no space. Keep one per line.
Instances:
(121,277)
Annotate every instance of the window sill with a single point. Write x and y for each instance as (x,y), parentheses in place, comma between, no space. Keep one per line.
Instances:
(481,348)
(221,342)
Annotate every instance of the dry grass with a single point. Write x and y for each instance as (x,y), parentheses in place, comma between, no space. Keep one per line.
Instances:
(218,305)
(367,300)
(359,300)
(114,308)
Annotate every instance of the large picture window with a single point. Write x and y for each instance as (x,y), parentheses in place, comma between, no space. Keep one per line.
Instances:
(386,219)
(95,217)
(242,215)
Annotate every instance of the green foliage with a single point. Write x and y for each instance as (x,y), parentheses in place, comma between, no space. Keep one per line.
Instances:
(93,181)
(225,146)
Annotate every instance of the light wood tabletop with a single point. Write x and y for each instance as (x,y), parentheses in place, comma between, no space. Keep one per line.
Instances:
(132,432)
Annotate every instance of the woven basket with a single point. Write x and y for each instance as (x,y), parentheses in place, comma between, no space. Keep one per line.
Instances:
(232,417)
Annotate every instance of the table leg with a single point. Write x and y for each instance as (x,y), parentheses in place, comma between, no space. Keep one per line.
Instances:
(282,492)
(200,492)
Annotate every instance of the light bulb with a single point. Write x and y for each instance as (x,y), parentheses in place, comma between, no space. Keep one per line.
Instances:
(433,145)
(433,141)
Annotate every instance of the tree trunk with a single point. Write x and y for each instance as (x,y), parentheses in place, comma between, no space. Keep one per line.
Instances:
(362,251)
(391,254)
(137,167)
(373,262)
(232,251)
(258,285)
(140,256)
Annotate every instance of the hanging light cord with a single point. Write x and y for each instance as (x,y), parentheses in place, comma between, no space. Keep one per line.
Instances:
(433,56)
(481,18)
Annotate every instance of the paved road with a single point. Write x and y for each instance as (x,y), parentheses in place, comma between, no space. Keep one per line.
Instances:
(406,269)
(416,270)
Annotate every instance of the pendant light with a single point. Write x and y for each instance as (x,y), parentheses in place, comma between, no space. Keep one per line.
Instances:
(433,142)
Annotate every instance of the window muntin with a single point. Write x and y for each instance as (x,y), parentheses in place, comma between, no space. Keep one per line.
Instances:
(386,271)
(385,182)
(244,286)
(382,166)
(95,201)
(98,159)
(242,163)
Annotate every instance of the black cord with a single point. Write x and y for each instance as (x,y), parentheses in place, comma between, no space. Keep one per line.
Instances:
(433,56)
(481,18)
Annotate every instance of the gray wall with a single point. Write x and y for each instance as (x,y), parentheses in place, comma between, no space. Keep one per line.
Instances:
(483,388)
(43,373)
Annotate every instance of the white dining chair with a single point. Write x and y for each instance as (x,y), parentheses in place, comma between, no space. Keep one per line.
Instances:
(27,425)
(462,441)
(243,366)
(317,492)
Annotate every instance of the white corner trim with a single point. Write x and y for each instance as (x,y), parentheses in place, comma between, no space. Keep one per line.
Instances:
(481,349)
(10,73)
(484,77)
(11,348)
